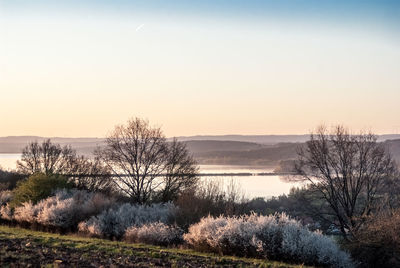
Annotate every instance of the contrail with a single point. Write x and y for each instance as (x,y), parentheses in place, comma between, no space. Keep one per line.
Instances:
(139,27)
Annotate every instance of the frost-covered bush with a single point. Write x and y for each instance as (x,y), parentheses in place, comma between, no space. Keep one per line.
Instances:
(274,237)
(115,221)
(5,210)
(26,213)
(65,209)
(5,197)
(156,233)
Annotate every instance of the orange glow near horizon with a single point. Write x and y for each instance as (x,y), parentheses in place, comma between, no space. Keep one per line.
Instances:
(79,78)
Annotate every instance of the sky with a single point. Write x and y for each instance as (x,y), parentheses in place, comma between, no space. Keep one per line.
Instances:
(78,68)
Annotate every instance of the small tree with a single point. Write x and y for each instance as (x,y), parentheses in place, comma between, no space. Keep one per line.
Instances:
(38,187)
(145,166)
(352,172)
(49,158)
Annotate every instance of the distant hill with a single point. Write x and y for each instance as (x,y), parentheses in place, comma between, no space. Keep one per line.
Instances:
(277,155)
(15,144)
(267,152)
(263,139)
(394,148)
(264,155)
(203,146)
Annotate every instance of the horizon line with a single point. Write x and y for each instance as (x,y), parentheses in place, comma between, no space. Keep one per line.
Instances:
(169,137)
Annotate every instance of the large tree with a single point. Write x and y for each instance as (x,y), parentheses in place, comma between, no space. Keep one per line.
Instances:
(353,173)
(145,165)
(49,158)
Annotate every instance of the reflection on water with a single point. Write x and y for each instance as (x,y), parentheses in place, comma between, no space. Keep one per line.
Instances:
(251,186)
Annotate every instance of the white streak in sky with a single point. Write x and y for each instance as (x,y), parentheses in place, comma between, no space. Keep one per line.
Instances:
(139,27)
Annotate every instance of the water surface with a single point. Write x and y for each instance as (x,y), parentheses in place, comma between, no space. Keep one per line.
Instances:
(250,186)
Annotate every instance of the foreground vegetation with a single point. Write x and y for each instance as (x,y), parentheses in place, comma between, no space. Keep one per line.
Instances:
(31,248)
(141,188)
(275,237)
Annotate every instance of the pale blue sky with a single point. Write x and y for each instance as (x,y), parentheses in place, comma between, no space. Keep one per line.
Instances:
(77,68)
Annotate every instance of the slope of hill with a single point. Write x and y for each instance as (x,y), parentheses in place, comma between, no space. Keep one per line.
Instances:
(25,248)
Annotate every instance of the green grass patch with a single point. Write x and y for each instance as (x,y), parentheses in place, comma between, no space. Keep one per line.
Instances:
(106,249)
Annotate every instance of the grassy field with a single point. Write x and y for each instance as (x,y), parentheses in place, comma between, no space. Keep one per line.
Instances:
(26,248)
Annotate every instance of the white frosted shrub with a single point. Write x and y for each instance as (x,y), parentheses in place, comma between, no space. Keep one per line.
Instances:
(311,247)
(5,197)
(27,212)
(156,233)
(274,237)
(115,221)
(5,210)
(65,209)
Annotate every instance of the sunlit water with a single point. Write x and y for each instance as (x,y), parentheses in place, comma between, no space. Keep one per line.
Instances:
(9,161)
(250,186)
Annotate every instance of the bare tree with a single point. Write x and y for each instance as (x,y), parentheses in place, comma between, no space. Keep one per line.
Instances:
(352,172)
(92,175)
(180,169)
(144,165)
(49,158)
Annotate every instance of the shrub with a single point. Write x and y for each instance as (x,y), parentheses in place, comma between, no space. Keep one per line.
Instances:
(26,213)
(378,241)
(275,237)
(9,179)
(65,209)
(114,222)
(156,233)
(5,210)
(209,197)
(5,197)
(38,187)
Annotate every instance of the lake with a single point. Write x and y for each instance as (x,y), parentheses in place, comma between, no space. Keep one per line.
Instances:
(251,186)
(9,161)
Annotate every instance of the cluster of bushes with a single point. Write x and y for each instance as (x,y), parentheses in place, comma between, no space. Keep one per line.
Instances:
(212,198)
(113,223)
(156,233)
(49,201)
(65,209)
(95,214)
(274,237)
